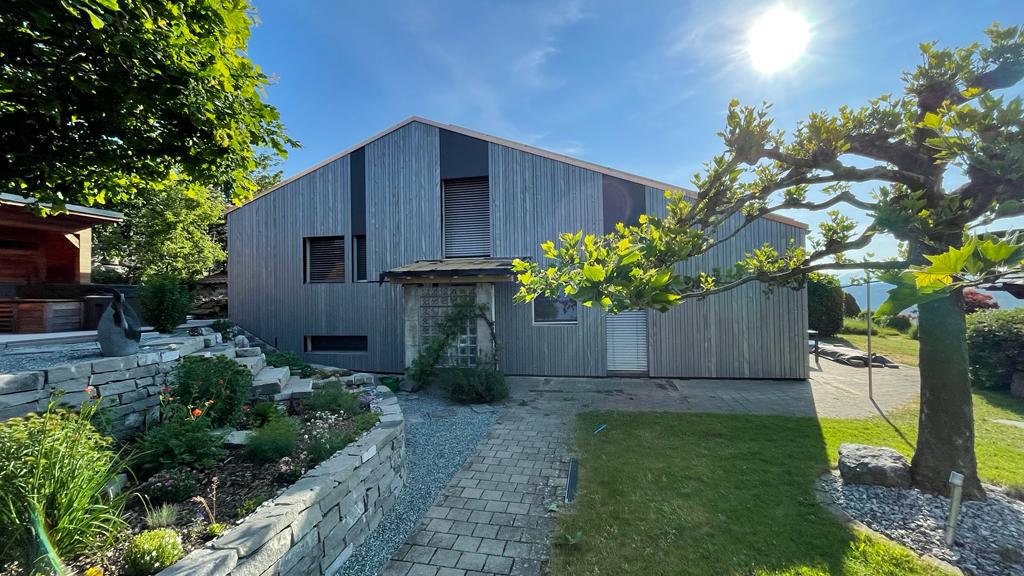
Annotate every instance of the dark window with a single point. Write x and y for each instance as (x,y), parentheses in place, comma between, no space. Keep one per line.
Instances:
(359,250)
(467,218)
(561,310)
(336,344)
(325,259)
(623,201)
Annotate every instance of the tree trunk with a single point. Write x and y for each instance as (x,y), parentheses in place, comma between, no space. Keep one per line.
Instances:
(945,438)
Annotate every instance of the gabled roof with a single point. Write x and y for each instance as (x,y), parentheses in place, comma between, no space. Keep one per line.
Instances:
(510,144)
(451,268)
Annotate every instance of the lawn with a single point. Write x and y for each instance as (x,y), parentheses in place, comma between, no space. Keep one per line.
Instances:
(889,342)
(665,493)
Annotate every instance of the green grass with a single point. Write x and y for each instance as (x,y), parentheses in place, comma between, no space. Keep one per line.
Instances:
(710,494)
(1000,448)
(664,493)
(888,342)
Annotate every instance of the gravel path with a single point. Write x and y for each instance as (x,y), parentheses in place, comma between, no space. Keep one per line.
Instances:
(25,358)
(989,535)
(439,436)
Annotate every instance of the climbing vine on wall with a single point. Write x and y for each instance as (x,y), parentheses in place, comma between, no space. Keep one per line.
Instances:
(423,366)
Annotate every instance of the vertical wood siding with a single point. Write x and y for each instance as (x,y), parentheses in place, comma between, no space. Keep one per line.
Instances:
(266,293)
(533,199)
(738,334)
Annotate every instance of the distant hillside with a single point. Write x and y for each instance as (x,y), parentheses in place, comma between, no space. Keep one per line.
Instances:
(880,291)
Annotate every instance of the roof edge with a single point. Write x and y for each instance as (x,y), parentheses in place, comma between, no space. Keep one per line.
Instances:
(72,209)
(636,178)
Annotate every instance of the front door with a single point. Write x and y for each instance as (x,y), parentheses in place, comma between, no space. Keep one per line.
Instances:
(626,336)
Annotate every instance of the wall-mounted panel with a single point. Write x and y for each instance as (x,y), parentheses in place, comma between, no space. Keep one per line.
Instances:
(533,199)
(743,333)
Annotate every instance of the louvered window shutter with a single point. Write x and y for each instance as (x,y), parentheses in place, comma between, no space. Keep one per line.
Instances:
(325,259)
(467,218)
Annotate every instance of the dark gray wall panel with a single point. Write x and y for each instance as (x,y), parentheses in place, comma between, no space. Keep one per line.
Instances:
(737,334)
(533,199)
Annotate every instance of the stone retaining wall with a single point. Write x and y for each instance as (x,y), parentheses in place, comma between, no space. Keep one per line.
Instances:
(315,524)
(129,385)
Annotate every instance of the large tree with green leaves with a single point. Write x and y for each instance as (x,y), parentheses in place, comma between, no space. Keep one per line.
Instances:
(951,117)
(104,99)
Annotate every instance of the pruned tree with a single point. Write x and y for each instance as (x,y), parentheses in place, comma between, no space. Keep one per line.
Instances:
(975,301)
(950,117)
(104,99)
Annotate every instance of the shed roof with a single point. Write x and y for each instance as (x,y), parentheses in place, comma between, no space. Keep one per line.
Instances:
(510,144)
(81,212)
(451,268)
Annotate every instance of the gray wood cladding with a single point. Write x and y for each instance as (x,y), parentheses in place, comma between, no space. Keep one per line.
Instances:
(743,333)
(533,198)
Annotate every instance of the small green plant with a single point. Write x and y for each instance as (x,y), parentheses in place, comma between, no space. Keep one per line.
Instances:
(165,303)
(262,413)
(175,485)
(162,516)
(182,439)
(223,383)
(479,385)
(995,340)
(152,551)
(292,361)
(332,398)
(225,327)
(273,441)
(568,538)
(250,505)
(215,529)
(54,472)
(209,506)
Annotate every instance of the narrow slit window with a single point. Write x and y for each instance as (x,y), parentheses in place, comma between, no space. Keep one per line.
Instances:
(359,248)
(337,344)
(324,259)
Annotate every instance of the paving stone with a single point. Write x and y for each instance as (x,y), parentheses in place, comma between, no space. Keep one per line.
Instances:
(472,561)
(419,554)
(498,565)
(449,558)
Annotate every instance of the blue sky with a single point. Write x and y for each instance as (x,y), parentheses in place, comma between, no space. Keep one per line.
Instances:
(641,87)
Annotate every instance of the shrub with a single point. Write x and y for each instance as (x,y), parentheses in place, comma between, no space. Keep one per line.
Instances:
(850,307)
(475,385)
(824,304)
(54,472)
(995,341)
(272,442)
(858,326)
(975,301)
(225,327)
(165,303)
(262,413)
(333,398)
(902,322)
(915,333)
(162,516)
(250,505)
(198,379)
(152,551)
(180,440)
(325,445)
(292,361)
(175,485)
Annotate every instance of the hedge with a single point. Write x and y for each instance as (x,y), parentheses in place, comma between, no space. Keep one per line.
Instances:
(824,304)
(995,342)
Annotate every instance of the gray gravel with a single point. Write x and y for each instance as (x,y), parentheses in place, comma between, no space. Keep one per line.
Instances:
(25,358)
(439,436)
(989,535)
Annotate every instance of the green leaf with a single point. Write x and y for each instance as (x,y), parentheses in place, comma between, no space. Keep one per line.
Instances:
(931,120)
(943,267)
(906,294)
(997,252)
(593,272)
(661,278)
(93,19)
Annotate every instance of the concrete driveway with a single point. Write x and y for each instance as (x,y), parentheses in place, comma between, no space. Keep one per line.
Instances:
(833,390)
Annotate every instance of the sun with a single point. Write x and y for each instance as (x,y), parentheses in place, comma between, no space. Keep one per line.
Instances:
(777,39)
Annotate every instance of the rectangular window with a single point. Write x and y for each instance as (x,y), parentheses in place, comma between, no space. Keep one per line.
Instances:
(359,249)
(336,344)
(467,217)
(560,310)
(324,259)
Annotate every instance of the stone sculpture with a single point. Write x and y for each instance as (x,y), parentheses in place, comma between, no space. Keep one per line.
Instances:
(119,330)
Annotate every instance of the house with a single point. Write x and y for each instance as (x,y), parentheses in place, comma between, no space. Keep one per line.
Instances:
(42,263)
(352,262)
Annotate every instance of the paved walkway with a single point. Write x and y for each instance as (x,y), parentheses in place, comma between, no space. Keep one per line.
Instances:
(492,517)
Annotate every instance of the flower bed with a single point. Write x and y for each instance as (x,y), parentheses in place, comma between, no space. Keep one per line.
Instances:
(208,463)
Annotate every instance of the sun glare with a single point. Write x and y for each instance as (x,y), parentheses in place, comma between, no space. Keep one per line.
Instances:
(777,39)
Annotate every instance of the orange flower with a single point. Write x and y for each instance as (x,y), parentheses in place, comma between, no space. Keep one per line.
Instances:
(197,412)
